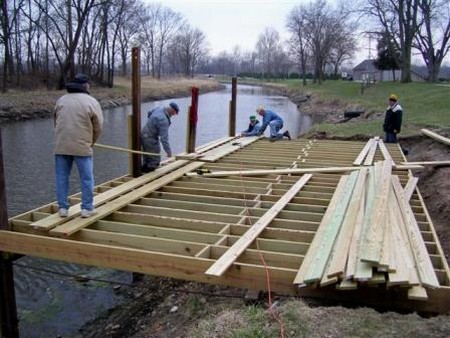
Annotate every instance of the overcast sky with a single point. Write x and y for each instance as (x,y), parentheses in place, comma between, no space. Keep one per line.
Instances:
(227,23)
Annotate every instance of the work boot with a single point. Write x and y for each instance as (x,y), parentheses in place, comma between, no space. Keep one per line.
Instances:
(286,134)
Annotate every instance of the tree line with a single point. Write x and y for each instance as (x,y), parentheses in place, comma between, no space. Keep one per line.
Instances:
(48,41)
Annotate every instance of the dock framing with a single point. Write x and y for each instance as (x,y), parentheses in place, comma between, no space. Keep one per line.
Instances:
(178,223)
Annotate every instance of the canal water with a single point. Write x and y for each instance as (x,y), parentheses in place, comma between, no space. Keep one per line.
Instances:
(52,305)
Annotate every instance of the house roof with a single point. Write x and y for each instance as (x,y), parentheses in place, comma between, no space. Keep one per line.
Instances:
(367,65)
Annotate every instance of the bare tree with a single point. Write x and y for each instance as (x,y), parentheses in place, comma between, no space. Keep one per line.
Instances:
(399,18)
(298,43)
(187,49)
(266,47)
(168,23)
(8,21)
(432,39)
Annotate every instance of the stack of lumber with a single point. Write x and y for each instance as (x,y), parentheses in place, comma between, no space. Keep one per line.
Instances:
(367,154)
(369,236)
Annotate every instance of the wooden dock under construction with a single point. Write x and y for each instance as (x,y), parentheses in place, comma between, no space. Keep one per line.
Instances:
(181,222)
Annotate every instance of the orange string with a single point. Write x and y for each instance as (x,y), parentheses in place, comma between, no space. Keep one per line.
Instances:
(261,256)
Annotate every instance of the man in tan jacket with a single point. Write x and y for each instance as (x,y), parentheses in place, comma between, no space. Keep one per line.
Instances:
(78,124)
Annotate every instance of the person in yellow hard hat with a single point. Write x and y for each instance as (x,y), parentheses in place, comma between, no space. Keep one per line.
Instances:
(393,119)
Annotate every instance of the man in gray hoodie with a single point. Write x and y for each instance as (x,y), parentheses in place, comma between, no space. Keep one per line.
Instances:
(155,130)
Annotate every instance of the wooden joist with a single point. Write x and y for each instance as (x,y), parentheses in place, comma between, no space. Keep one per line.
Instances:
(72,226)
(184,226)
(54,220)
(221,265)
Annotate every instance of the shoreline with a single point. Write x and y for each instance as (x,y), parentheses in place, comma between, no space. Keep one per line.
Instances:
(29,105)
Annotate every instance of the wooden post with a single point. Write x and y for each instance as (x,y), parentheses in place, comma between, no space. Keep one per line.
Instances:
(136,104)
(8,310)
(192,122)
(232,120)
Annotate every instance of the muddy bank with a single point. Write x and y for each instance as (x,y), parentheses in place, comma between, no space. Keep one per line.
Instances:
(26,105)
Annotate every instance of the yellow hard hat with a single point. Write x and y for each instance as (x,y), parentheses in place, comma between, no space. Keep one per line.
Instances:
(393,97)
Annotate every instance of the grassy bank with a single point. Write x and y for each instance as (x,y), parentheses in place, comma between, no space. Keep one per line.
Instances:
(16,105)
(425,105)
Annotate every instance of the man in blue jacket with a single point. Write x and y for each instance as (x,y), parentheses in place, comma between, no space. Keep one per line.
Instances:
(155,130)
(275,123)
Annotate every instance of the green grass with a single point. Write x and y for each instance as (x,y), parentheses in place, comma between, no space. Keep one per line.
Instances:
(424,105)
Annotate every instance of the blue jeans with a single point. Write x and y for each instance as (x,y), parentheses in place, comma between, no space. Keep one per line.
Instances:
(391,137)
(275,127)
(63,167)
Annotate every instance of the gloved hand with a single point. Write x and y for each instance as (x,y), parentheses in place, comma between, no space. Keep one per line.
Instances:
(169,154)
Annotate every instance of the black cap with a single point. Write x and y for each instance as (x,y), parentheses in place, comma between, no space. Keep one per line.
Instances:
(81,79)
(174,106)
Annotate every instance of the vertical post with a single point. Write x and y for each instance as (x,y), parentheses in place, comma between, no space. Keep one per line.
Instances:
(232,119)
(136,104)
(8,311)
(192,122)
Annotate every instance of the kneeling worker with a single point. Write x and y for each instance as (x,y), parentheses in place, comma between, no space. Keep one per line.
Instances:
(253,127)
(155,130)
(274,121)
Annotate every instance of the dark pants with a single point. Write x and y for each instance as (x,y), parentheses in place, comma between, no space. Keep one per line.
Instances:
(391,137)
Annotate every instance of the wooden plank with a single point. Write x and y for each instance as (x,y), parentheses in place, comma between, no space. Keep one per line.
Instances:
(418,293)
(321,257)
(371,153)
(423,262)
(315,245)
(435,136)
(410,187)
(341,249)
(54,220)
(405,271)
(437,163)
(222,264)
(347,285)
(363,270)
(387,156)
(227,148)
(359,160)
(353,250)
(74,225)
(373,239)
(264,172)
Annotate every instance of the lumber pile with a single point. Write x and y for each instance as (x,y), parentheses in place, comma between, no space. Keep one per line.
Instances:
(367,154)
(369,236)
